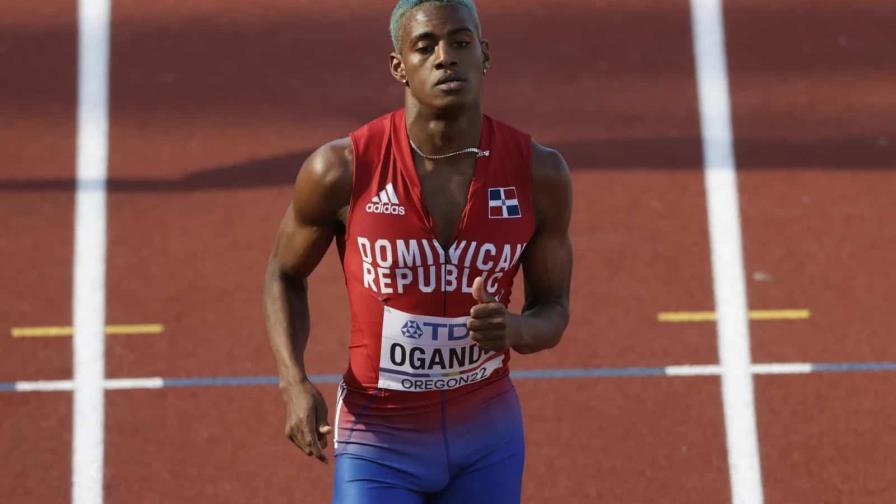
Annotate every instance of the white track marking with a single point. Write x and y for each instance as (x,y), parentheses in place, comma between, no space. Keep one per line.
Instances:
(134,383)
(44,386)
(776,368)
(787,368)
(720,178)
(110,384)
(694,370)
(89,296)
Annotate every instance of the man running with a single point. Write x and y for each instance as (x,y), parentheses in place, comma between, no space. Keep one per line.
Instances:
(434,207)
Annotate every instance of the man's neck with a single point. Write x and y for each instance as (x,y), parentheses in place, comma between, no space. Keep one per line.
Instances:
(439,132)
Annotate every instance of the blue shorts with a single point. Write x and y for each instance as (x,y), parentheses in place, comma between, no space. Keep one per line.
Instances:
(459,448)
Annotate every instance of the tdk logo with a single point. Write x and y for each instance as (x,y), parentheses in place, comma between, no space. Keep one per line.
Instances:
(435,331)
(411,329)
(386,202)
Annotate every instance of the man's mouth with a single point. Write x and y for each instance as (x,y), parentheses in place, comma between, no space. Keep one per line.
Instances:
(450,78)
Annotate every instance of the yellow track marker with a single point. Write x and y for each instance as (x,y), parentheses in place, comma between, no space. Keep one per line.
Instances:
(710,316)
(62,331)
(695,316)
(780,315)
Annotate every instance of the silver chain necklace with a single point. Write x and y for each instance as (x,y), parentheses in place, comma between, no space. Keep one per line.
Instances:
(479,153)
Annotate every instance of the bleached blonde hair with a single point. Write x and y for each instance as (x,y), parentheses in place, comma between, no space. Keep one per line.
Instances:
(405,6)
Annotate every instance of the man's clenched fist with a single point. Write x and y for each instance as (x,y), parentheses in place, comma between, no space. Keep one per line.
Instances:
(490,324)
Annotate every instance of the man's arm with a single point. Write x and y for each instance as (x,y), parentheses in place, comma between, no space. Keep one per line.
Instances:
(547,262)
(322,192)
(547,266)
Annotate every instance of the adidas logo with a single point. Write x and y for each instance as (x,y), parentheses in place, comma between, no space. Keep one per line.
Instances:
(386,202)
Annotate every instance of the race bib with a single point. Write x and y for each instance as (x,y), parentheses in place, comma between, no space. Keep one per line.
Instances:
(430,353)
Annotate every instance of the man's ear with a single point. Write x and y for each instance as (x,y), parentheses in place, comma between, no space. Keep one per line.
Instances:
(396,67)
(486,54)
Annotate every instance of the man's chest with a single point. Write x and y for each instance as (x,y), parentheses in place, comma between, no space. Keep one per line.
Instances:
(445,195)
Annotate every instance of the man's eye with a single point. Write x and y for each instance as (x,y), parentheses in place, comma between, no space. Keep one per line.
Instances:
(462,43)
(424,49)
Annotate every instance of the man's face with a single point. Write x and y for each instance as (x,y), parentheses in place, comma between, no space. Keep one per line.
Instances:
(441,56)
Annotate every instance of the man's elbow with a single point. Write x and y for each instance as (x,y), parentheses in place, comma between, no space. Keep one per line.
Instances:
(555,336)
(276,273)
(561,323)
(550,336)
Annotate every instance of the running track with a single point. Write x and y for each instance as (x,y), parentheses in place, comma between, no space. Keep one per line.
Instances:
(213,105)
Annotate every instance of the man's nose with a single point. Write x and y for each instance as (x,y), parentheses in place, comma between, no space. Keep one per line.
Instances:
(445,56)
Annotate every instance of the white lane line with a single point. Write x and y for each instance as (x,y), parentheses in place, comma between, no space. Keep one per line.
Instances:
(720,178)
(44,386)
(694,370)
(89,296)
(782,368)
(786,368)
(134,383)
(156,382)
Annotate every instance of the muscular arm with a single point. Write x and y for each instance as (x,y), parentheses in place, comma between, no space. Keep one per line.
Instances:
(547,265)
(321,194)
(547,262)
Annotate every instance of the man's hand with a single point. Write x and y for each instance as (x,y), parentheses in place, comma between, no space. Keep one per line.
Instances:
(490,324)
(306,419)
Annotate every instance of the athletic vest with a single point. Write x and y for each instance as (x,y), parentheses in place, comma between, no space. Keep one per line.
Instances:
(409,298)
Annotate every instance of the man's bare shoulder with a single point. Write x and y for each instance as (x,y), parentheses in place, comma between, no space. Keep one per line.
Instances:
(548,165)
(329,165)
(552,185)
(323,186)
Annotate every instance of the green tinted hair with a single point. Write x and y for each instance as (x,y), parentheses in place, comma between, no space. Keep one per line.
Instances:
(405,6)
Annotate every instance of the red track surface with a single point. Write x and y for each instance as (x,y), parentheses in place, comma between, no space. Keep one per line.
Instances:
(215,103)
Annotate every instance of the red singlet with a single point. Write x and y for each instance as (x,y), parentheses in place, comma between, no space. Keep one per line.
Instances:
(410,298)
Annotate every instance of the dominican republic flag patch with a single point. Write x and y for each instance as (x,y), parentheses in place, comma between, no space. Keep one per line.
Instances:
(503,204)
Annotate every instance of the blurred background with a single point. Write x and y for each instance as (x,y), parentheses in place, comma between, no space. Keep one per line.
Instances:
(213,105)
